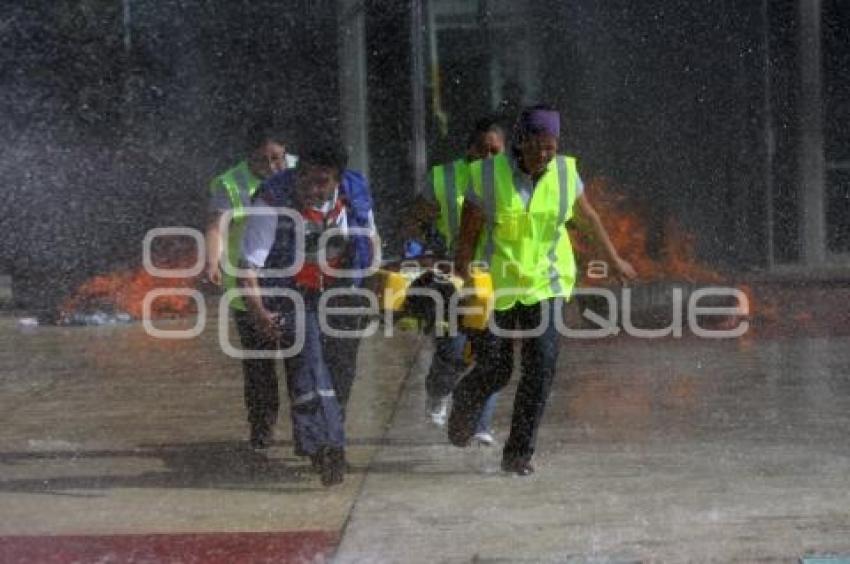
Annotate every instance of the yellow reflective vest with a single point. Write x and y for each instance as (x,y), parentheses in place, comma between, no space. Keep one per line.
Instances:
(240,184)
(526,247)
(450,182)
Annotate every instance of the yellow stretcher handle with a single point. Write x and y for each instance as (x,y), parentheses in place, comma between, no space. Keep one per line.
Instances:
(394,287)
(481,300)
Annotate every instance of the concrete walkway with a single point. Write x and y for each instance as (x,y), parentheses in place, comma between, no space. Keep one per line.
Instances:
(671,451)
(117,447)
(107,433)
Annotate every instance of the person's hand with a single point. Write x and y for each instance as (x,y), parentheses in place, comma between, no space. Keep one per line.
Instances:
(445,267)
(213,273)
(267,325)
(625,269)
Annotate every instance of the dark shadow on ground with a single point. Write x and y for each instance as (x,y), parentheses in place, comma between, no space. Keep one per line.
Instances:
(207,465)
(224,465)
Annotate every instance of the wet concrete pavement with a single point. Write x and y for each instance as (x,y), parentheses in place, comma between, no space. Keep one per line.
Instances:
(105,431)
(665,450)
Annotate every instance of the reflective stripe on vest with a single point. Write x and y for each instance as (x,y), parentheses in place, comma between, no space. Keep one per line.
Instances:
(240,185)
(563,200)
(489,181)
(527,246)
(449,182)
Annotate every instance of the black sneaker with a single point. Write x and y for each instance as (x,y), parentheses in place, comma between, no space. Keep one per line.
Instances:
(519,466)
(333,466)
(262,435)
(317,461)
(461,427)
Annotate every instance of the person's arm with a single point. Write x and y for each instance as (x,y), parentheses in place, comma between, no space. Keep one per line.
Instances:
(257,242)
(219,203)
(591,220)
(471,224)
(265,320)
(422,212)
(214,246)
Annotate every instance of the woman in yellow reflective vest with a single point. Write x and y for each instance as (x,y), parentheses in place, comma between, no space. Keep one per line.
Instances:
(513,220)
(232,191)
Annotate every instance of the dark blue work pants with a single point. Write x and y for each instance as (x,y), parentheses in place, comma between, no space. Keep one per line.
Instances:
(319,377)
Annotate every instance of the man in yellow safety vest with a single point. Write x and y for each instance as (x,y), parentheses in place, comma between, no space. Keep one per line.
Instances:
(232,191)
(440,206)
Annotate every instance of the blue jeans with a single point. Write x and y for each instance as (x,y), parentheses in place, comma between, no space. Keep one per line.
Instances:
(447,365)
(486,418)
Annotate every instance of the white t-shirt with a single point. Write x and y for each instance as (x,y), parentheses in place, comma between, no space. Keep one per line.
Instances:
(523,183)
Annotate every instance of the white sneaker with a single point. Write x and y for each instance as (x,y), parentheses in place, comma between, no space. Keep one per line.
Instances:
(484,438)
(438,410)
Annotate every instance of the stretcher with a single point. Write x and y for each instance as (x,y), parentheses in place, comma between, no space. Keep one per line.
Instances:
(394,279)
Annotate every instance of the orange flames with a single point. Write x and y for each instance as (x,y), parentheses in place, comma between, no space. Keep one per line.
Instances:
(125,291)
(627,229)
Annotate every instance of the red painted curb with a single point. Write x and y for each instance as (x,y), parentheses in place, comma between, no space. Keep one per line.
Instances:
(209,548)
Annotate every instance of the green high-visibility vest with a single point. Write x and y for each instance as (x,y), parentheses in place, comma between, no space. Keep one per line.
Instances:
(450,182)
(240,184)
(527,247)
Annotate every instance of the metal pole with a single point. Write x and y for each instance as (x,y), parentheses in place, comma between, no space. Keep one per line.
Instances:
(419,143)
(436,79)
(127,87)
(127,27)
(812,165)
(352,84)
(769,135)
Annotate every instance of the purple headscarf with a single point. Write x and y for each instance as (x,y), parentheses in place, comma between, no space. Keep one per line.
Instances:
(538,119)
